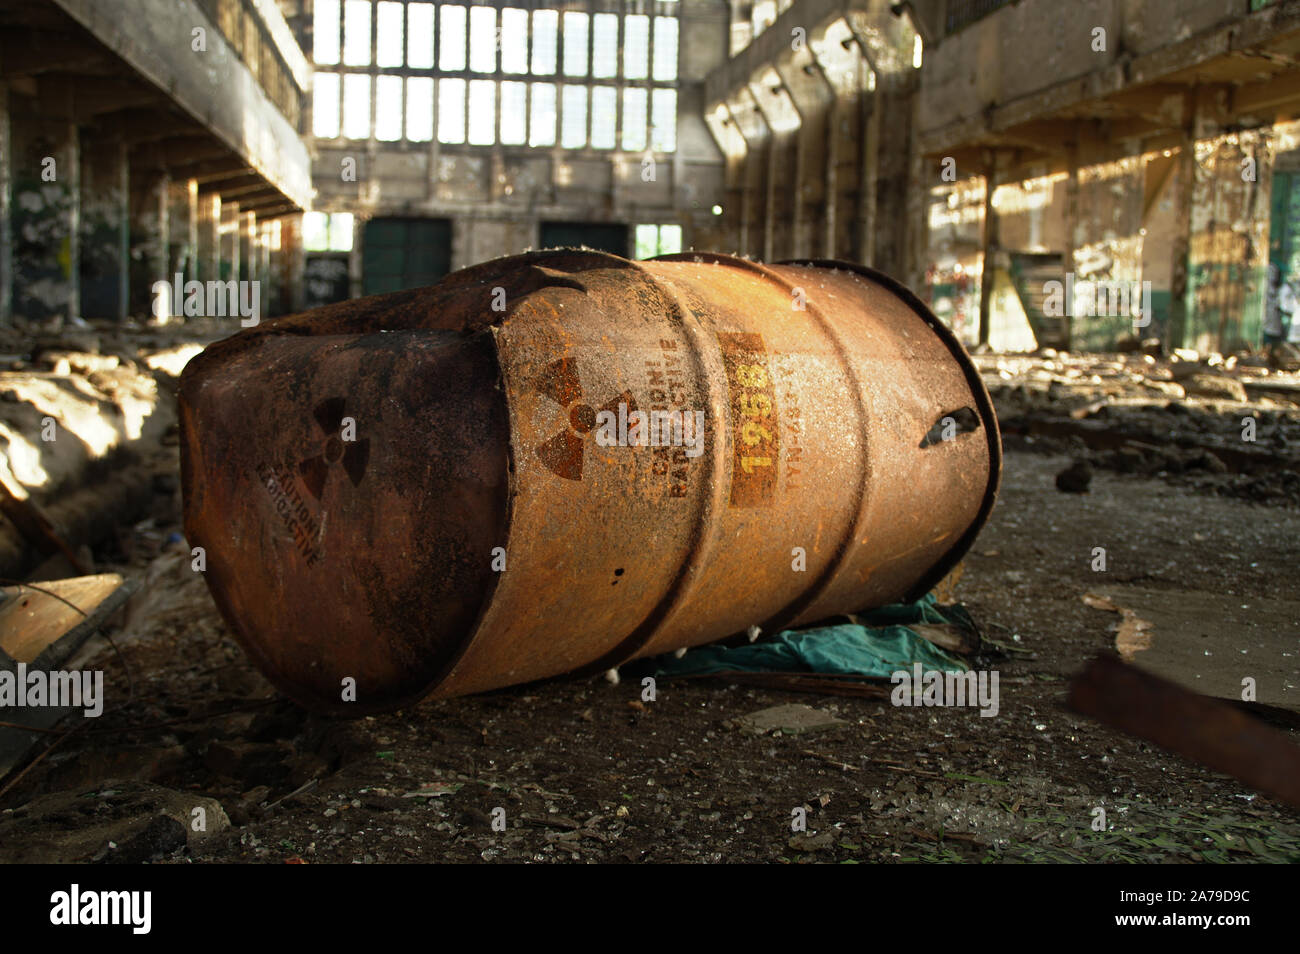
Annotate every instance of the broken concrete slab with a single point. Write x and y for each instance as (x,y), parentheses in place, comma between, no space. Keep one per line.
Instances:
(789,720)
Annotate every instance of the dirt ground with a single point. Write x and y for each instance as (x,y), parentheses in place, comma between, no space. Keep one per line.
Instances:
(583,770)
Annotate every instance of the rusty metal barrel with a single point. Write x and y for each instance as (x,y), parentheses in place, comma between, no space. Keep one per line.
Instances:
(564,460)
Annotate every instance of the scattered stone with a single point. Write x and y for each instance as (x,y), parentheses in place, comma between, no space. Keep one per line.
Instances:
(1075,478)
(790,719)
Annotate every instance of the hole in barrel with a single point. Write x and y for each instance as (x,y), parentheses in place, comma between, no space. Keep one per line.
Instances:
(950,425)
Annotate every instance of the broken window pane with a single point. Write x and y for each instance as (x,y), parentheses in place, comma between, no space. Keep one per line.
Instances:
(325,105)
(647,241)
(388,108)
(356,33)
(663,120)
(483,39)
(665,49)
(325,32)
(340,232)
(315,231)
(636,46)
(604,113)
(670,239)
(604,45)
(541,120)
(356,106)
(514,113)
(514,40)
(388,33)
(451,110)
(419,36)
(545,24)
(574,133)
(575,44)
(634,106)
(482,112)
(451,40)
(419,109)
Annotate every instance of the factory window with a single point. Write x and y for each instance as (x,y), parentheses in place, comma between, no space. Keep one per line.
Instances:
(665,67)
(541,119)
(634,107)
(514,41)
(636,46)
(451,110)
(663,120)
(514,114)
(652,240)
(327,231)
(325,105)
(574,134)
(483,39)
(544,37)
(419,108)
(380,49)
(356,106)
(419,36)
(604,114)
(575,44)
(356,33)
(388,33)
(451,45)
(388,108)
(325,33)
(604,45)
(482,112)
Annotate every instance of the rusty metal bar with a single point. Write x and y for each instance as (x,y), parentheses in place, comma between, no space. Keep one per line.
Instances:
(1205,730)
(440,490)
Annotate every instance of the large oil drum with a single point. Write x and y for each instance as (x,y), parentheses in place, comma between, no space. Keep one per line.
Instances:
(565,460)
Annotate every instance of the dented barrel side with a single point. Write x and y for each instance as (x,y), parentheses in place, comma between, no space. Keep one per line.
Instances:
(495,535)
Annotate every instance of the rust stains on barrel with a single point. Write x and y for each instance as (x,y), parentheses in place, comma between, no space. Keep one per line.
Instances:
(499,478)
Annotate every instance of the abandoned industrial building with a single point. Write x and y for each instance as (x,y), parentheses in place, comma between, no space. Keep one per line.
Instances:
(791,431)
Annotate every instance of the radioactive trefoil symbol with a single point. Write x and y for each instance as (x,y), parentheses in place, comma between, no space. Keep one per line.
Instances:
(352,455)
(562,454)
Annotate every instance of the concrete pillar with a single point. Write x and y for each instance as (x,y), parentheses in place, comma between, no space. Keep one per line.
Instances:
(248,255)
(44,211)
(150,238)
(1071,235)
(209,237)
(105,252)
(6,221)
(228,267)
(180,251)
(991,247)
(1184,186)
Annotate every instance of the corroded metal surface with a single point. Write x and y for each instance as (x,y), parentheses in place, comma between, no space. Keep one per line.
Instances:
(418,491)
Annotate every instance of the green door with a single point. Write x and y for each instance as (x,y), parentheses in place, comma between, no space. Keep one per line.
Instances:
(606,238)
(403,253)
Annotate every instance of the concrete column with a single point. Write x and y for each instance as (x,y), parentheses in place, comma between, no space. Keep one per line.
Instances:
(6,222)
(1183,186)
(1071,235)
(44,212)
(228,267)
(104,240)
(150,238)
(989,264)
(209,237)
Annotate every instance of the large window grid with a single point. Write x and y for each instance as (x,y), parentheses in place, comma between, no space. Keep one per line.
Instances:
(411,71)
